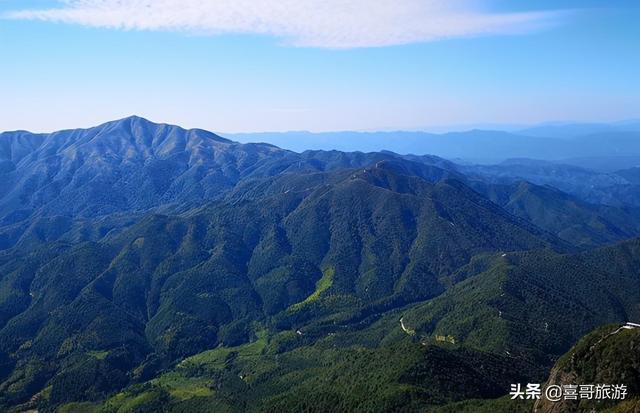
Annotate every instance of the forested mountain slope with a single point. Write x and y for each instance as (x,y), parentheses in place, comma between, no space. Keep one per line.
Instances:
(506,323)
(145,266)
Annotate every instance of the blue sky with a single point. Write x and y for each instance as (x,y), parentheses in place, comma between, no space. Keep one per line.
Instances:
(258,65)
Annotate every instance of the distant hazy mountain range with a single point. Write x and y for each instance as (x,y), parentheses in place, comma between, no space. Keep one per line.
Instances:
(149,268)
(577,144)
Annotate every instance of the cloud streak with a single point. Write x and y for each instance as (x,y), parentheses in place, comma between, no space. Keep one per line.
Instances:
(336,24)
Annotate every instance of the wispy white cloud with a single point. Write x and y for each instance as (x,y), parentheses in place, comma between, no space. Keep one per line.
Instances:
(310,23)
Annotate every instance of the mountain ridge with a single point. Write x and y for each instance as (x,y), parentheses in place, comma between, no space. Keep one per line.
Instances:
(133,165)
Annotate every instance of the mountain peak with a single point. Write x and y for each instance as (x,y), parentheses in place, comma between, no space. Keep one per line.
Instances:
(131,121)
(131,118)
(137,125)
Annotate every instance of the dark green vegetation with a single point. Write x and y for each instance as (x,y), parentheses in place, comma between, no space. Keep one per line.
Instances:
(148,268)
(571,219)
(609,355)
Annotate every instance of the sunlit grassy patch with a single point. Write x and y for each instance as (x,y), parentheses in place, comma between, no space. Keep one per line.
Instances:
(100,355)
(85,407)
(322,285)
(184,388)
